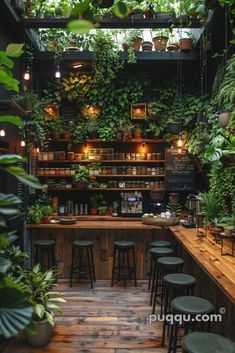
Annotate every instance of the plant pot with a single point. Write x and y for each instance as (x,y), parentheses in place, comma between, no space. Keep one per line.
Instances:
(185,44)
(174,198)
(172,47)
(58,12)
(138,15)
(174,128)
(149,14)
(43,334)
(46,219)
(162,16)
(147,46)
(66,135)
(92,178)
(160,43)
(137,43)
(93,211)
(224,118)
(56,136)
(80,185)
(137,134)
(37,221)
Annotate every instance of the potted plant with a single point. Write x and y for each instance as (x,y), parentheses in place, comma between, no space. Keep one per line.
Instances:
(94,170)
(38,289)
(56,125)
(47,213)
(210,208)
(147,46)
(103,210)
(34,214)
(160,39)
(81,177)
(138,132)
(95,202)
(186,41)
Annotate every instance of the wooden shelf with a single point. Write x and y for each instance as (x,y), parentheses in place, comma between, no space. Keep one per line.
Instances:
(105,189)
(116,141)
(106,161)
(106,176)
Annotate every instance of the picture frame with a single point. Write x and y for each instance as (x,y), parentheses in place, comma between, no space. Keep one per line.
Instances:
(138,111)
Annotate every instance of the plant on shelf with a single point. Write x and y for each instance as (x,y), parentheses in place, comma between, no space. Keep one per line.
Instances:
(106,63)
(81,177)
(34,213)
(186,41)
(131,43)
(95,202)
(27,100)
(210,208)
(56,125)
(160,39)
(38,289)
(137,132)
(47,213)
(154,109)
(77,132)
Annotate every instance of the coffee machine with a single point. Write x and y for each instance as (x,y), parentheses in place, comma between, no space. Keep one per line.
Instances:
(193,205)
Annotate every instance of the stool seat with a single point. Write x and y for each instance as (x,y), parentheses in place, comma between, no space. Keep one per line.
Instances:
(160,244)
(83,243)
(170,261)
(44,242)
(161,251)
(192,305)
(205,342)
(124,244)
(179,279)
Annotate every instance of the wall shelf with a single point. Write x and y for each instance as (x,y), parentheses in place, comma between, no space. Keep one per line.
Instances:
(105,189)
(106,161)
(106,176)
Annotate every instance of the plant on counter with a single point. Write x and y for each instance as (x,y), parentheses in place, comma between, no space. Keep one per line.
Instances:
(95,202)
(81,177)
(210,207)
(47,213)
(38,289)
(34,213)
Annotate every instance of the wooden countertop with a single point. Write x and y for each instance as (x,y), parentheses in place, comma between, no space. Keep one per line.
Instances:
(207,253)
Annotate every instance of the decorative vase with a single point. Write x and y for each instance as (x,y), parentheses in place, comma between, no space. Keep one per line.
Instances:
(160,43)
(147,46)
(43,334)
(185,44)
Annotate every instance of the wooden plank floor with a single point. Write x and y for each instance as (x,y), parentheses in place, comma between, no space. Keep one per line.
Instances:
(102,320)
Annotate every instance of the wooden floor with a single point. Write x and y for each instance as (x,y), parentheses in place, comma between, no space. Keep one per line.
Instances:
(103,320)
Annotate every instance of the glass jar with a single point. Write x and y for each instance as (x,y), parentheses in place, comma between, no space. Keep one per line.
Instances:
(62,171)
(158,155)
(138,156)
(61,155)
(132,156)
(50,156)
(67,171)
(149,156)
(56,155)
(153,171)
(47,171)
(154,156)
(70,156)
(52,171)
(40,156)
(134,171)
(149,171)
(128,156)
(57,171)
(45,156)
(41,171)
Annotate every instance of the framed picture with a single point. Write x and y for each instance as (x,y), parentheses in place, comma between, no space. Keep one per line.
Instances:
(138,111)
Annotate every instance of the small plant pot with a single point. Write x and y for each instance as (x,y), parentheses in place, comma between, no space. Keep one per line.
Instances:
(224,118)
(103,211)
(149,14)
(58,12)
(172,47)
(185,44)
(44,332)
(56,136)
(80,185)
(93,211)
(160,43)
(66,135)
(137,135)
(137,43)
(37,221)
(174,128)
(137,15)
(162,16)
(46,219)
(147,46)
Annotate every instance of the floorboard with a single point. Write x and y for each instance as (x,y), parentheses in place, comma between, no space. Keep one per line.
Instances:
(102,320)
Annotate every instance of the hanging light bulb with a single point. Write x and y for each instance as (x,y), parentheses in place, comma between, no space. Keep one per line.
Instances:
(37,150)
(27,75)
(2,132)
(22,143)
(180,141)
(179,150)
(143,147)
(58,73)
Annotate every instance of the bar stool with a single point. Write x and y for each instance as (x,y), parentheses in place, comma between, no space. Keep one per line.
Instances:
(155,254)
(82,249)
(45,248)
(175,285)
(122,250)
(156,244)
(205,342)
(165,265)
(190,307)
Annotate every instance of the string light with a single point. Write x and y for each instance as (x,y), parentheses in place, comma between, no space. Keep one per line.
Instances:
(22,143)
(37,150)
(2,132)
(27,75)
(58,73)
(180,141)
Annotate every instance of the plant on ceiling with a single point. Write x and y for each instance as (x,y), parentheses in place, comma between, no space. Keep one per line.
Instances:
(15,310)
(106,62)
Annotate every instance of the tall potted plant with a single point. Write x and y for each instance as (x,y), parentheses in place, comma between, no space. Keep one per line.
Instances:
(38,289)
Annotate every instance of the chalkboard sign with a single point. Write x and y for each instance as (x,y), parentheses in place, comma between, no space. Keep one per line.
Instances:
(68,111)
(180,170)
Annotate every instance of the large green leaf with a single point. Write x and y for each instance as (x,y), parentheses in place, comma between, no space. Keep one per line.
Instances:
(5,265)
(121,9)
(80,26)
(11,119)
(14,50)
(9,200)
(15,311)
(23,177)
(8,159)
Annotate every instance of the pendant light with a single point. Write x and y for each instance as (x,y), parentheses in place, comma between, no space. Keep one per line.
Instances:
(27,75)
(58,73)
(2,131)
(22,143)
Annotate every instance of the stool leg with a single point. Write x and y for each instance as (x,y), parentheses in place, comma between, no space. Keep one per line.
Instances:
(175,336)
(113,269)
(155,290)
(125,267)
(53,256)
(72,266)
(153,281)
(92,263)
(128,264)
(134,265)
(119,263)
(150,272)
(89,267)
(166,300)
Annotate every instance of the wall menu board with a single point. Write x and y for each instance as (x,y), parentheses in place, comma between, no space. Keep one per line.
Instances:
(68,112)
(180,171)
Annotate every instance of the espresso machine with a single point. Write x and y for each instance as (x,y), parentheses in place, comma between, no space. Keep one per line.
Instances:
(193,205)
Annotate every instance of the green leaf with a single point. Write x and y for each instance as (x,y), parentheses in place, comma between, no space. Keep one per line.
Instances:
(12,119)
(14,50)
(8,63)
(8,211)
(121,9)
(5,264)
(50,319)
(39,310)
(9,199)
(80,26)
(8,159)
(24,178)
(15,311)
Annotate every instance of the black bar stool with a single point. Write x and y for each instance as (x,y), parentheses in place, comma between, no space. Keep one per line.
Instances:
(175,285)
(45,249)
(205,342)
(122,250)
(82,249)
(156,244)
(155,253)
(188,307)
(165,265)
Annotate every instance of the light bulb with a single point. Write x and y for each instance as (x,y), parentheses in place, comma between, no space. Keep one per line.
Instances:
(180,142)
(22,143)
(27,75)
(58,73)
(2,133)
(37,150)
(179,150)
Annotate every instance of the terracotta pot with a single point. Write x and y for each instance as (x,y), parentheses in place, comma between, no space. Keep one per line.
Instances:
(37,221)
(137,134)
(185,44)
(93,211)
(46,219)
(66,135)
(224,118)
(56,136)
(80,185)
(147,46)
(42,336)
(160,43)
(172,47)
(136,43)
